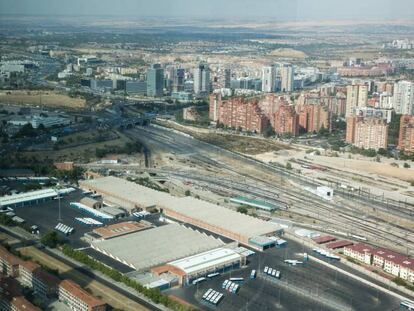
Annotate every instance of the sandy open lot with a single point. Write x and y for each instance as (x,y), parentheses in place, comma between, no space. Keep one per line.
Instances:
(41,98)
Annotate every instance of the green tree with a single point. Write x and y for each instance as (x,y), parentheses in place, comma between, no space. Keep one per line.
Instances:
(242,209)
(50,239)
(268,131)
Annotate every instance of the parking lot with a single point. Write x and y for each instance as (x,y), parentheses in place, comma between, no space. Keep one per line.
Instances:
(46,216)
(308,286)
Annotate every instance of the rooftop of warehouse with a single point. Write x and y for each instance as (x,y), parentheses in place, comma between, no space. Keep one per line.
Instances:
(152,247)
(128,190)
(215,257)
(222,217)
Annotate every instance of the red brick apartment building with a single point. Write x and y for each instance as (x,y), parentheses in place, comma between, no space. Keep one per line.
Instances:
(254,114)
(406,137)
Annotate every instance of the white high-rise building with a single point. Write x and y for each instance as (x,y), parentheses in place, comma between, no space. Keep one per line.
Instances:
(287,78)
(403,100)
(268,79)
(202,80)
(356,97)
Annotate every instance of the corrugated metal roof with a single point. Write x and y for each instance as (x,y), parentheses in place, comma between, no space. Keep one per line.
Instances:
(157,246)
(27,197)
(206,260)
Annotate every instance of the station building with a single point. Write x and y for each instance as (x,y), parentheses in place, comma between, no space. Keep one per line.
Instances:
(199,265)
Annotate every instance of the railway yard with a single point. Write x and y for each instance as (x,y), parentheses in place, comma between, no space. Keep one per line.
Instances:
(372,219)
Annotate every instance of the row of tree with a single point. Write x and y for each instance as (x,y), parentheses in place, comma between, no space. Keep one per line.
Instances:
(154,294)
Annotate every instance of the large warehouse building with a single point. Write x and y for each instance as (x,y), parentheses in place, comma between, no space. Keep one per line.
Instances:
(220,220)
(153,247)
(211,217)
(124,193)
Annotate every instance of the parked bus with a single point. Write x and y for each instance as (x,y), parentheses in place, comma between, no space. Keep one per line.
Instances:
(207,293)
(199,280)
(237,279)
(253,274)
(408,305)
(212,275)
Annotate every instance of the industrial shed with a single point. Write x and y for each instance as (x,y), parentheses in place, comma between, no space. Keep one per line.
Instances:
(28,198)
(153,247)
(208,216)
(124,193)
(189,268)
(92,203)
(220,220)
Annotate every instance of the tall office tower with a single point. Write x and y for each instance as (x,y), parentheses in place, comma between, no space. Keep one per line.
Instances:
(227,77)
(356,96)
(202,80)
(178,80)
(269,79)
(403,100)
(406,138)
(155,81)
(287,74)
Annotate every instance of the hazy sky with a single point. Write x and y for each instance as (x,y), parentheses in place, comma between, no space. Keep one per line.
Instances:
(279,9)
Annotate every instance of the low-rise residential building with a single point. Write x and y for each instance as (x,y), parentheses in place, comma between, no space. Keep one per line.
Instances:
(11,298)
(78,299)
(360,252)
(392,262)
(9,263)
(33,276)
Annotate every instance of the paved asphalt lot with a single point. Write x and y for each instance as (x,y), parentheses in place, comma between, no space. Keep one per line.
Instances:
(45,215)
(310,286)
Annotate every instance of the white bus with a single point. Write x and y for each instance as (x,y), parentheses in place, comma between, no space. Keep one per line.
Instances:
(253,274)
(212,275)
(199,280)
(207,293)
(408,305)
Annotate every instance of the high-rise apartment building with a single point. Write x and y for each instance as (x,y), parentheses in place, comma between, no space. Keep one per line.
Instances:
(227,78)
(269,74)
(356,96)
(202,80)
(367,133)
(403,100)
(313,117)
(406,137)
(155,81)
(238,112)
(286,121)
(287,77)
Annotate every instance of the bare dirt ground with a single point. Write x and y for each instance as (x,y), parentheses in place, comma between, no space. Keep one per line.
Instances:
(358,171)
(287,53)
(41,98)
